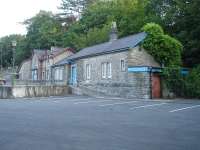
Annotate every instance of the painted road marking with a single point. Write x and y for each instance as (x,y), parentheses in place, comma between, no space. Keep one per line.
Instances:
(122,103)
(98,101)
(72,100)
(146,106)
(191,107)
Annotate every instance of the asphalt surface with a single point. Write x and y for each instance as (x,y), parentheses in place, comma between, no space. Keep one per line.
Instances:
(85,123)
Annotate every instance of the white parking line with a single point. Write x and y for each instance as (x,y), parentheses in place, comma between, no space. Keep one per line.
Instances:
(98,101)
(175,110)
(146,106)
(71,100)
(122,103)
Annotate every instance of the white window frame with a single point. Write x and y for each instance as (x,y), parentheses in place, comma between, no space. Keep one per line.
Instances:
(122,66)
(56,74)
(61,70)
(103,70)
(88,71)
(106,70)
(109,70)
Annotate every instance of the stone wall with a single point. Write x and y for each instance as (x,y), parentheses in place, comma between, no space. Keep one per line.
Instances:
(33,91)
(138,87)
(96,76)
(122,83)
(139,57)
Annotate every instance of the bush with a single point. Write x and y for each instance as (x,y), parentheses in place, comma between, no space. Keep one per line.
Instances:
(165,49)
(192,83)
(153,29)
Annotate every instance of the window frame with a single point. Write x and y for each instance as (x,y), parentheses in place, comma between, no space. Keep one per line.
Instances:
(106,70)
(109,70)
(88,71)
(122,67)
(103,70)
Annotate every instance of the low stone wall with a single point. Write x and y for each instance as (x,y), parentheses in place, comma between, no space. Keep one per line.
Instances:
(33,91)
(124,91)
(138,86)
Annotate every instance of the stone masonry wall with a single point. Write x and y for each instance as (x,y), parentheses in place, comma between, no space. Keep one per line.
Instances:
(33,91)
(122,83)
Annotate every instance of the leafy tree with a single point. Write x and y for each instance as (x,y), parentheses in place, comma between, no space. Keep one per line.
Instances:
(71,10)
(192,83)
(181,18)
(93,36)
(7,49)
(129,15)
(44,31)
(165,49)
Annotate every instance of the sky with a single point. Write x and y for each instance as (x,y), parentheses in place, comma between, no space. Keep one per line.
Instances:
(12,12)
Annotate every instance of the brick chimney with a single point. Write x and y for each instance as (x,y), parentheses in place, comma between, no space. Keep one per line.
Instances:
(113,32)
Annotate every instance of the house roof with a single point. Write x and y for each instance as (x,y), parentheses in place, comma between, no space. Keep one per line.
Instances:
(62,62)
(40,53)
(107,47)
(55,51)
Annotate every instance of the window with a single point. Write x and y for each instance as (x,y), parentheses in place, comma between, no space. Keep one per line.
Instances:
(103,70)
(43,75)
(61,74)
(88,72)
(47,74)
(58,74)
(122,65)
(106,70)
(34,75)
(109,70)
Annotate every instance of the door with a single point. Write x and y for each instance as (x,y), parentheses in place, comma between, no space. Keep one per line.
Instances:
(73,75)
(156,86)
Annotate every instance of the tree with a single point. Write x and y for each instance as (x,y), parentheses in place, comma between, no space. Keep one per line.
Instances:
(71,10)
(181,18)
(165,49)
(44,31)
(7,49)
(129,15)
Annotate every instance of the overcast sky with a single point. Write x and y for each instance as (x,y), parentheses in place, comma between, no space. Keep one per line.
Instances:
(12,12)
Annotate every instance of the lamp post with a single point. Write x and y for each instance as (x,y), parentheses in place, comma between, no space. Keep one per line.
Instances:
(14,44)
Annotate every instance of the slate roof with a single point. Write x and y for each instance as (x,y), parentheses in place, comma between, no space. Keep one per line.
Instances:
(62,62)
(107,47)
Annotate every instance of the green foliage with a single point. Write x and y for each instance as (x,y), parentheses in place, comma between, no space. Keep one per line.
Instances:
(192,83)
(44,31)
(7,49)
(93,27)
(94,36)
(187,86)
(165,49)
(174,80)
(180,18)
(153,29)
